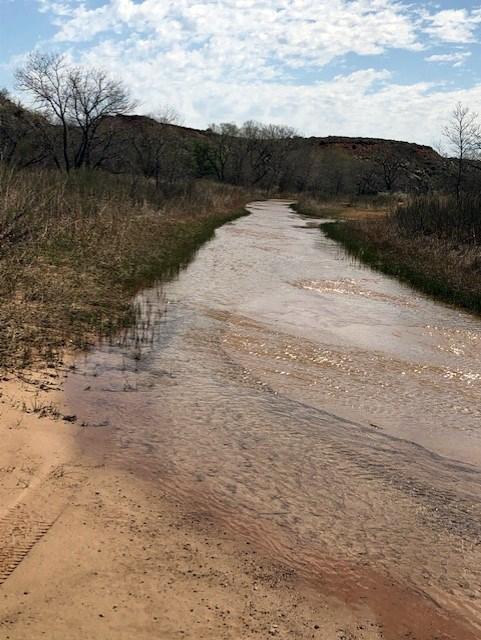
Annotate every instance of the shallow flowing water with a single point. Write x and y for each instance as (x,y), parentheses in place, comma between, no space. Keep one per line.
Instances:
(320,409)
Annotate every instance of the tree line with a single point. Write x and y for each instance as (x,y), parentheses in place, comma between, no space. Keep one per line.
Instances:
(80,118)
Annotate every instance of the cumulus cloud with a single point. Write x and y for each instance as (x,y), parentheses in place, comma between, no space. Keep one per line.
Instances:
(367,102)
(454,25)
(294,32)
(456,59)
(241,59)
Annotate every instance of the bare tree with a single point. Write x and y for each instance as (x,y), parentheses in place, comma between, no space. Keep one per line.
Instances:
(94,97)
(167,114)
(254,154)
(390,167)
(281,140)
(44,77)
(222,148)
(76,99)
(463,132)
(266,151)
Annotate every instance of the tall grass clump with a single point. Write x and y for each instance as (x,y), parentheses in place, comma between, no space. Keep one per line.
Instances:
(448,217)
(74,249)
(431,242)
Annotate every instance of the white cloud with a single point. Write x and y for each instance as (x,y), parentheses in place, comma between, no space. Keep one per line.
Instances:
(456,59)
(363,103)
(454,25)
(294,32)
(57,8)
(233,60)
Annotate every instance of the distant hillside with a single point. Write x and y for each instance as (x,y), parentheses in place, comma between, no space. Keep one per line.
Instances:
(139,121)
(254,155)
(411,166)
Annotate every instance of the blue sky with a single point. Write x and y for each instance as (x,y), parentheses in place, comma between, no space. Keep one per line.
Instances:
(346,67)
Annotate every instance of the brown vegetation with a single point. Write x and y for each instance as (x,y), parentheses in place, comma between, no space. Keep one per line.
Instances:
(81,119)
(432,243)
(117,200)
(75,248)
(355,208)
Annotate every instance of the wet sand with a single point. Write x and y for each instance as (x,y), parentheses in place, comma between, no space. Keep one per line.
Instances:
(286,444)
(90,551)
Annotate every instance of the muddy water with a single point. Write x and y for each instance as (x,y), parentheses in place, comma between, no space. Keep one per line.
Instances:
(317,408)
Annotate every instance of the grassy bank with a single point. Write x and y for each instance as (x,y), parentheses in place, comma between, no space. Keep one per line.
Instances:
(440,267)
(73,251)
(343,208)
(312,208)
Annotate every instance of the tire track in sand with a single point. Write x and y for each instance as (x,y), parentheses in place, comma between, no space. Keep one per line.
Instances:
(20,530)
(24,524)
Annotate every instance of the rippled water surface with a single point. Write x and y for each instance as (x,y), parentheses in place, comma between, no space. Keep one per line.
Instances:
(319,408)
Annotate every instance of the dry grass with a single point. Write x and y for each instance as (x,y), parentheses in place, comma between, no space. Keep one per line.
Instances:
(446,217)
(352,209)
(438,266)
(432,242)
(74,250)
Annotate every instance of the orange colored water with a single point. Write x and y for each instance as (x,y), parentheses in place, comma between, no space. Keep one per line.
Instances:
(319,408)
